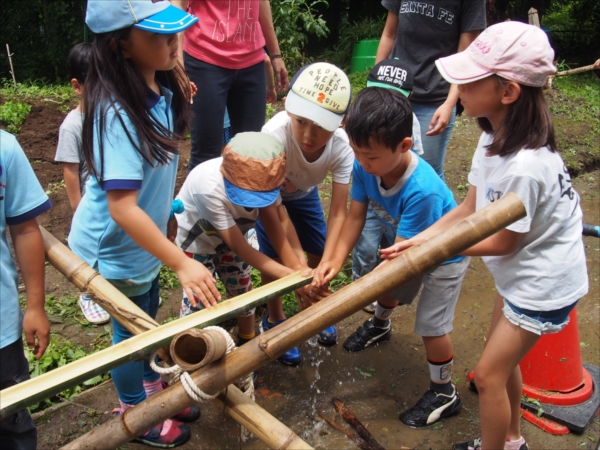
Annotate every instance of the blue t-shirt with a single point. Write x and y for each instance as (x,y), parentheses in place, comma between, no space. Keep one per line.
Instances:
(95,237)
(21,199)
(418,200)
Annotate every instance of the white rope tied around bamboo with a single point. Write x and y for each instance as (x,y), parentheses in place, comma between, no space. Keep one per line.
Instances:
(195,393)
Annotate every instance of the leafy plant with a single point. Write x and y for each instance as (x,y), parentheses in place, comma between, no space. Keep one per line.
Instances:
(60,352)
(294,21)
(13,114)
(38,89)
(167,278)
(271,111)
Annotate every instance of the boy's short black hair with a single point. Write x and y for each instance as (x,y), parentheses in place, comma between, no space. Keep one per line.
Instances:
(78,61)
(382,115)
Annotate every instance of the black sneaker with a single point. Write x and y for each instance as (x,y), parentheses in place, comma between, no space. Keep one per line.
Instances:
(367,334)
(431,408)
(468,445)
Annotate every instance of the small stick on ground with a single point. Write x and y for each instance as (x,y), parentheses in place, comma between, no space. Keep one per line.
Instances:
(355,438)
(355,423)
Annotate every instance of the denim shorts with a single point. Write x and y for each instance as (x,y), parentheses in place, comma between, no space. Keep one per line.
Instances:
(538,322)
(307,216)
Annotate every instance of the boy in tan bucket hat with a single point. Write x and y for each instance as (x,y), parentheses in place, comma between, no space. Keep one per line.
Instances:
(222,199)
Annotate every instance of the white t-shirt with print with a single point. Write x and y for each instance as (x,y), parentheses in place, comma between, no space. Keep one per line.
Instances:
(208,210)
(302,176)
(548,271)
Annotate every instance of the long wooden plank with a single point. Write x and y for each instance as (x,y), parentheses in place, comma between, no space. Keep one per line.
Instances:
(36,389)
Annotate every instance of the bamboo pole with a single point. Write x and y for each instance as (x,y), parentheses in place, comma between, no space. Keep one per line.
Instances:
(12,71)
(24,394)
(106,295)
(574,71)
(534,19)
(244,410)
(268,346)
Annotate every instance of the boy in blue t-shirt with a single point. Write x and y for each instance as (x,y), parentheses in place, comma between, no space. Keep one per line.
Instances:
(22,199)
(407,196)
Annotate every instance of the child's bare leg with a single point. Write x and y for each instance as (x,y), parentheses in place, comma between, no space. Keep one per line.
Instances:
(246,325)
(514,388)
(275,306)
(506,345)
(438,348)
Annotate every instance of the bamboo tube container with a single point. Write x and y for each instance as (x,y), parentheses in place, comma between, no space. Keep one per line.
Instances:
(193,349)
(268,346)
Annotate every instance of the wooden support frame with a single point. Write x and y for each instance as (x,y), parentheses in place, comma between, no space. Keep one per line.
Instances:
(24,394)
(268,346)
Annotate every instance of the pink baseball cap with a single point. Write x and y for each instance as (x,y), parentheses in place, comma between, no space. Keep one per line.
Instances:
(513,50)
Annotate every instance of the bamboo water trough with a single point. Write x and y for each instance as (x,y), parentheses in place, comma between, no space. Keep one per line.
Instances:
(268,346)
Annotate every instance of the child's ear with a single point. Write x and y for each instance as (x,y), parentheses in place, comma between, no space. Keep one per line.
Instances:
(512,92)
(124,47)
(77,87)
(405,145)
(343,124)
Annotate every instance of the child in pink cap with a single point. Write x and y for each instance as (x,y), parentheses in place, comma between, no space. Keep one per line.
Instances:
(500,78)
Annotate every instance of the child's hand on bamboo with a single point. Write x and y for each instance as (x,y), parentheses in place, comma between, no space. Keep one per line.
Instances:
(325,272)
(399,247)
(197,282)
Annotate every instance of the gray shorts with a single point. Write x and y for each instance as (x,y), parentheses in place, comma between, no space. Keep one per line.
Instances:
(441,288)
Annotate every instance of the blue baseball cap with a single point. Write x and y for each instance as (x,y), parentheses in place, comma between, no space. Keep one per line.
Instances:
(157,17)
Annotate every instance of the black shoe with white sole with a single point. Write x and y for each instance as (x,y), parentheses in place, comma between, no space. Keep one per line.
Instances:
(367,334)
(430,408)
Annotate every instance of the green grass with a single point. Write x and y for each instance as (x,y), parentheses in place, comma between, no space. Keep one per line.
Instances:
(13,114)
(57,93)
(577,120)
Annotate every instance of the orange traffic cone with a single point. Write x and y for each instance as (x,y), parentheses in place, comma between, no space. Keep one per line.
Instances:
(562,392)
(555,377)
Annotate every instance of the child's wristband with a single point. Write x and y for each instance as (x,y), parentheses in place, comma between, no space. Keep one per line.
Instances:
(176,208)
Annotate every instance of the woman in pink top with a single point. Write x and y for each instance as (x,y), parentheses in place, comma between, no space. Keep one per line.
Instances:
(224,55)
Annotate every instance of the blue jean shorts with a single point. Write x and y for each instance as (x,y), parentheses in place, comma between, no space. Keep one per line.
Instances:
(307,216)
(538,322)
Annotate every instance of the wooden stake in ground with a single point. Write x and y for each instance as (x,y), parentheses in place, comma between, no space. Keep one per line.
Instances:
(355,423)
(355,438)
(12,71)
(273,343)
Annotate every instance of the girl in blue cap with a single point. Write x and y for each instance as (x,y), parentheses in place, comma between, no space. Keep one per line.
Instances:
(136,112)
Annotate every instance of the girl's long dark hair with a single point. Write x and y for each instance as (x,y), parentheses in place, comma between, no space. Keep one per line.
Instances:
(114,82)
(527,125)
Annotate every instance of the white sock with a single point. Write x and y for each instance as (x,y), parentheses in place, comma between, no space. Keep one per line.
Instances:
(514,445)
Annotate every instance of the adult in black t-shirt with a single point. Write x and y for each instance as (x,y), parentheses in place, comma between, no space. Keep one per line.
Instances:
(418,33)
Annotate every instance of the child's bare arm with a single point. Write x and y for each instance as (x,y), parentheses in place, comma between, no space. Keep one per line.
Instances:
(271,91)
(337,214)
(29,250)
(72,183)
(194,277)
(283,237)
(236,241)
(350,232)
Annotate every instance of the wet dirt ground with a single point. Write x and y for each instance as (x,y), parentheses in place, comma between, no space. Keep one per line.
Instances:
(376,384)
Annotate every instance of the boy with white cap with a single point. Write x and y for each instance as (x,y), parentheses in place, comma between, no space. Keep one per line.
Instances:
(315,147)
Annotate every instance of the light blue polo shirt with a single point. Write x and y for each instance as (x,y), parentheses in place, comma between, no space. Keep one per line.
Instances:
(95,237)
(418,200)
(21,199)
